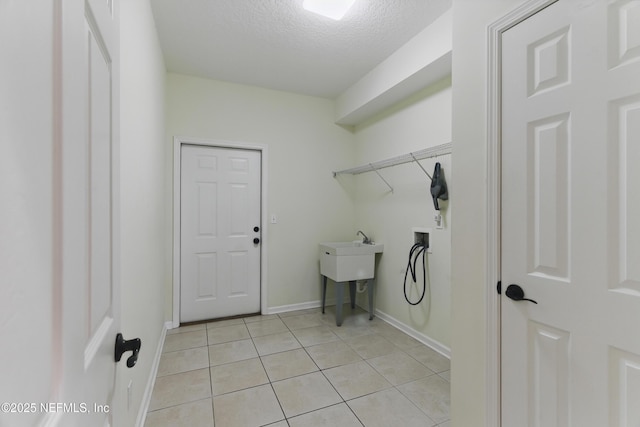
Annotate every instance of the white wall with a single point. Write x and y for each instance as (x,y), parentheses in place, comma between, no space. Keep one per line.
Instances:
(28,260)
(421,121)
(469,331)
(305,146)
(144,246)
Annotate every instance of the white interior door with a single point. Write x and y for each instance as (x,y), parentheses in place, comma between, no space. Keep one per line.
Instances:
(571,216)
(90,115)
(220,232)
(60,261)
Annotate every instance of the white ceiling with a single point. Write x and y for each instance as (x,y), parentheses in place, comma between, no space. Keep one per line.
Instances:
(278,45)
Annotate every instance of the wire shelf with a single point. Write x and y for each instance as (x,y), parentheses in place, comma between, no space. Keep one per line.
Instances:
(435,151)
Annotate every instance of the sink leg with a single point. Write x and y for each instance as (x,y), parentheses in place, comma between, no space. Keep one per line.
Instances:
(339,292)
(371,286)
(324,291)
(352,293)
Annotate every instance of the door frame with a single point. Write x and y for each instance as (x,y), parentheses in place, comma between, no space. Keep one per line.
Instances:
(494,200)
(178,142)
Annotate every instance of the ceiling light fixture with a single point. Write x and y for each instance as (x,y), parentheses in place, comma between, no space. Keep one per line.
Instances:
(334,9)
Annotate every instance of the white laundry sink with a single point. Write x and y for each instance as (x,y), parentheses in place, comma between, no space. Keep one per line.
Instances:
(347,261)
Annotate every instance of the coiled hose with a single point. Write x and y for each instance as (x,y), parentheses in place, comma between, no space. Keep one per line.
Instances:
(416,250)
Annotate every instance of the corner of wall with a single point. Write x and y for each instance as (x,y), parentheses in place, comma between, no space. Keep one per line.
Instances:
(469,333)
(142,214)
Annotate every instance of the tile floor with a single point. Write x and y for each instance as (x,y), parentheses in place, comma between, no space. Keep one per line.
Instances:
(299,369)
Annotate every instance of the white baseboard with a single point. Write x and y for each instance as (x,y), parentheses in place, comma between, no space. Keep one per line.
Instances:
(424,339)
(300,306)
(146,399)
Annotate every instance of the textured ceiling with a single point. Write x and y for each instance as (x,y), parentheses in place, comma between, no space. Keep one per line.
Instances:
(278,45)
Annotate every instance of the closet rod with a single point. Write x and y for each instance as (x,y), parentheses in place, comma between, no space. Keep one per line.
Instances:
(438,150)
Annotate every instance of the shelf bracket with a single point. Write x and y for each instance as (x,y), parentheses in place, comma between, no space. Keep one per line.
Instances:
(421,167)
(373,168)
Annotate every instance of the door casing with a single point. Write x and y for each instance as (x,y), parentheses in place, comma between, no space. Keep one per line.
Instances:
(178,141)
(493,199)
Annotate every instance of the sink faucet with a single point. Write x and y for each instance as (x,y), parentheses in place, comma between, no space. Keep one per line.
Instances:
(365,239)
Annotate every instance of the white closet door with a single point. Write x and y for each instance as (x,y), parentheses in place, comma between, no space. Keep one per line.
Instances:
(571,216)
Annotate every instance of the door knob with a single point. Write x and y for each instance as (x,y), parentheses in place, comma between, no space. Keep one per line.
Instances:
(516,293)
(122,346)
(256,229)
(256,241)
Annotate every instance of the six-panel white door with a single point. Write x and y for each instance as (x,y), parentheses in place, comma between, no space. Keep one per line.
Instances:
(62,309)
(90,225)
(571,216)
(220,232)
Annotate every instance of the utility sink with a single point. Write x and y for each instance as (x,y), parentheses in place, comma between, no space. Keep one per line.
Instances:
(348,261)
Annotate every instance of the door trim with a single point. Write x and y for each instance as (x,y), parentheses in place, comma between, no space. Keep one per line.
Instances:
(493,200)
(178,141)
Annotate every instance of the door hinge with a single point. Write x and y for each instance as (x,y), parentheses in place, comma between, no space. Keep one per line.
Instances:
(499,287)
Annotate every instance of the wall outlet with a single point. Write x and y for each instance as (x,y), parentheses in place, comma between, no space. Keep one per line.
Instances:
(274,219)
(437,218)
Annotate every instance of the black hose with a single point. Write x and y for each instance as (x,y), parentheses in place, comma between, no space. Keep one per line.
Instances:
(417,249)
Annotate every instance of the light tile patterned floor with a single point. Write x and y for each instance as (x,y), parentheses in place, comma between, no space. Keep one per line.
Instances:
(299,369)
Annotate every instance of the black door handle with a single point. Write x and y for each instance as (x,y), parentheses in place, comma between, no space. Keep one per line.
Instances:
(256,241)
(256,229)
(516,293)
(122,346)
